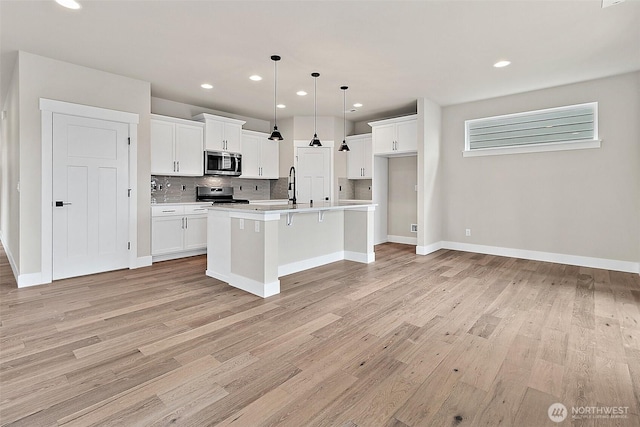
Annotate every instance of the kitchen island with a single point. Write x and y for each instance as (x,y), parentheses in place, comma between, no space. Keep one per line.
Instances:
(251,246)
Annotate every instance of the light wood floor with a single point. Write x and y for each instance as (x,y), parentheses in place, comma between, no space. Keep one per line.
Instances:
(448,339)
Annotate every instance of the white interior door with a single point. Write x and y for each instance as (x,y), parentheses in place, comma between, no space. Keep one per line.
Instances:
(90,196)
(313,174)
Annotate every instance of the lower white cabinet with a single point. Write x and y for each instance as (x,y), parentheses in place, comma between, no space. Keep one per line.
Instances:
(178,230)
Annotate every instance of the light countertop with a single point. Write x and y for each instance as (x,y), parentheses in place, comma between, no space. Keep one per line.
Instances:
(290,208)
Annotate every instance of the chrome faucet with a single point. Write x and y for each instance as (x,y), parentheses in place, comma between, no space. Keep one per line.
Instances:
(292,170)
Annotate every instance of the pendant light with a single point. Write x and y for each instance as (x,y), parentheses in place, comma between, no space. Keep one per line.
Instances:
(315,142)
(275,135)
(344,146)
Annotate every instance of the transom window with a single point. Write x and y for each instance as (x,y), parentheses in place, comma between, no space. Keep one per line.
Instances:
(562,128)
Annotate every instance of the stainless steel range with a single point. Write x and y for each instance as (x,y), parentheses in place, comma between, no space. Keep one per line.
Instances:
(217,195)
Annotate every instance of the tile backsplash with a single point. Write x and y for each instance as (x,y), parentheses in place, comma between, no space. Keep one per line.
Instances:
(182,189)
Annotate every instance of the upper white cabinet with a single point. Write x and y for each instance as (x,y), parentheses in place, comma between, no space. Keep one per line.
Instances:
(176,146)
(360,157)
(260,156)
(395,136)
(221,133)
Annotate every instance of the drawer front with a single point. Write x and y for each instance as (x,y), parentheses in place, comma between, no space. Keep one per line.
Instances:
(196,209)
(167,210)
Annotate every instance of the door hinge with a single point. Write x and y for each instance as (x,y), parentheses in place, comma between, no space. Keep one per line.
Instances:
(129,141)
(128,245)
(129,192)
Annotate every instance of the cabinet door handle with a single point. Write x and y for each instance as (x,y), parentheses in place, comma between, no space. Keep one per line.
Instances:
(170,210)
(186,223)
(178,165)
(174,165)
(182,223)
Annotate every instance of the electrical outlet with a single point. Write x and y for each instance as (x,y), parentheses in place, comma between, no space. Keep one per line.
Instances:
(241,224)
(184,188)
(257,226)
(414,228)
(467,232)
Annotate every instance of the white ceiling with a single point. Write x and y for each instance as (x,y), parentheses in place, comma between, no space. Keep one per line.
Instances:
(388,52)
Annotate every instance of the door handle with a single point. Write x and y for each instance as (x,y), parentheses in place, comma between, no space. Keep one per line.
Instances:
(178,163)
(60,203)
(186,223)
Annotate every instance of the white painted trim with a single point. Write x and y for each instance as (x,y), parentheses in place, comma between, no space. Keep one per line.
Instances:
(71,109)
(31,279)
(306,264)
(133,199)
(12,263)
(143,261)
(48,107)
(216,275)
(46,188)
(583,261)
(394,120)
(178,255)
(534,148)
(365,258)
(263,290)
(402,239)
(426,250)
(258,216)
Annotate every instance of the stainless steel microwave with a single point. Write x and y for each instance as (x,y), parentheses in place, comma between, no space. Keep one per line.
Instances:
(222,163)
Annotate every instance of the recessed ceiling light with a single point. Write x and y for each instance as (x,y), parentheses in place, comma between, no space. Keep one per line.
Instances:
(357,105)
(501,64)
(255,78)
(281,106)
(206,86)
(301,93)
(69,4)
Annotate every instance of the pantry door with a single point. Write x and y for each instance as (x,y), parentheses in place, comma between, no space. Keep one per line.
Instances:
(313,177)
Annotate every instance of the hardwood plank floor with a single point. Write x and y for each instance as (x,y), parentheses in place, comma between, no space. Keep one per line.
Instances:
(448,339)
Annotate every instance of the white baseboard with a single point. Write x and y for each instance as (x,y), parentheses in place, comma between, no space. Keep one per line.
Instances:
(426,250)
(217,275)
(263,290)
(177,255)
(402,239)
(306,264)
(365,258)
(143,261)
(31,279)
(12,263)
(582,261)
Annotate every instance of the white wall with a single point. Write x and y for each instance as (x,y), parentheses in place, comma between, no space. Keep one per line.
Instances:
(10,172)
(170,108)
(41,77)
(582,202)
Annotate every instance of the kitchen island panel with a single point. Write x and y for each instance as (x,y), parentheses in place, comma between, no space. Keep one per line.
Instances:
(308,242)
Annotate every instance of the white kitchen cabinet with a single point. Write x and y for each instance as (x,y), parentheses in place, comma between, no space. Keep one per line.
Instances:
(260,156)
(360,157)
(398,136)
(221,133)
(177,146)
(178,230)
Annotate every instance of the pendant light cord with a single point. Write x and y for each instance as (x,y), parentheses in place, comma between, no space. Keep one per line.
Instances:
(344,114)
(275,95)
(315,105)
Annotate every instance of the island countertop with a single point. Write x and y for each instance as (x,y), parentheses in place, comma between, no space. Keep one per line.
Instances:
(289,208)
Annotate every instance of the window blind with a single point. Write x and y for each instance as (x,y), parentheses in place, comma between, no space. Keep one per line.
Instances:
(554,125)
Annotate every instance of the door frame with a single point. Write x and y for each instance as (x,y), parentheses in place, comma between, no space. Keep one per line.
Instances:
(48,107)
(325,144)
